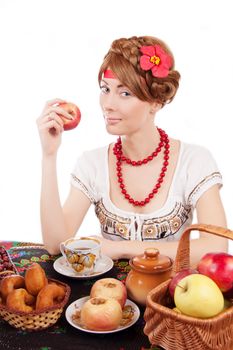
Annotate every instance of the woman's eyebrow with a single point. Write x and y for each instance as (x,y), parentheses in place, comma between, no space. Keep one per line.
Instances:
(103,81)
(118,86)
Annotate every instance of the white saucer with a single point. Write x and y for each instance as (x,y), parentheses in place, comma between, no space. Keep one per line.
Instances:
(77,305)
(103,265)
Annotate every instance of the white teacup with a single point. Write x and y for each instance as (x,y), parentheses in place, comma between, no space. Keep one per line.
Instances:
(81,254)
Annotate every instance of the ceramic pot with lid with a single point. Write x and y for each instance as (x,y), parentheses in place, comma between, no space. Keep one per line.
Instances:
(147,271)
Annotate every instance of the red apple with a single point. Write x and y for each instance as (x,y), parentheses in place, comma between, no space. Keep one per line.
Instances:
(219,267)
(72,109)
(109,288)
(101,314)
(229,294)
(178,277)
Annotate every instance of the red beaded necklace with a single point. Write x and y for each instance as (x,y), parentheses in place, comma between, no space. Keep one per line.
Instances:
(117,150)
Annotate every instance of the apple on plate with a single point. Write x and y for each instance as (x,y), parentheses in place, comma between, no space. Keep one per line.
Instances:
(74,111)
(101,314)
(110,288)
(219,267)
(177,277)
(198,296)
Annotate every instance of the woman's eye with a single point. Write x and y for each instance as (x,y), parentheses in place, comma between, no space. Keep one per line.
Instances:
(126,93)
(104,89)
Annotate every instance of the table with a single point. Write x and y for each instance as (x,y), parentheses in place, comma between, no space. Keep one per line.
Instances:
(62,335)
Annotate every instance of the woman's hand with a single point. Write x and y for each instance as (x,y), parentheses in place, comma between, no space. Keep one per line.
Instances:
(50,126)
(108,247)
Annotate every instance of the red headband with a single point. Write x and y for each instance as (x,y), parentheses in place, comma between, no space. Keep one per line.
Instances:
(108,73)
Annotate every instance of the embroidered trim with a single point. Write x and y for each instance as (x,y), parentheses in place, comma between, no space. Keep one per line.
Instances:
(168,225)
(112,224)
(83,188)
(203,182)
(151,229)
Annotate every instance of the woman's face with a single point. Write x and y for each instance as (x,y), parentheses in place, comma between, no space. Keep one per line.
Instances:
(123,112)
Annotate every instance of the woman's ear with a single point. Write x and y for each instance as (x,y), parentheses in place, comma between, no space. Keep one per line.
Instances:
(155,107)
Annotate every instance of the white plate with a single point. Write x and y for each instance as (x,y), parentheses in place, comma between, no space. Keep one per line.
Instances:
(78,305)
(103,265)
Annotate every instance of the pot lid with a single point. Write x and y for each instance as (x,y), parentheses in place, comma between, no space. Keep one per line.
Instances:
(151,261)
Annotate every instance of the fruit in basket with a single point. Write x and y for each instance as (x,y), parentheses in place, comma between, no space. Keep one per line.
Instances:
(177,310)
(9,283)
(35,279)
(229,294)
(6,265)
(227,304)
(101,314)
(198,296)
(110,288)
(74,111)
(219,267)
(20,300)
(177,277)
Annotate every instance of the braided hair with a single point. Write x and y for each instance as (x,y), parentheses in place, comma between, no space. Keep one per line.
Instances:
(123,59)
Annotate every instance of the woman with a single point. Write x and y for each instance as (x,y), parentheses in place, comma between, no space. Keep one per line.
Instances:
(145,186)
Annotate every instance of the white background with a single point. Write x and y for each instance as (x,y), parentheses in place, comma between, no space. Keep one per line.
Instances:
(54,49)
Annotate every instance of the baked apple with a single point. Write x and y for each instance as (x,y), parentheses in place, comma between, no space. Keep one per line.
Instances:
(101,314)
(110,288)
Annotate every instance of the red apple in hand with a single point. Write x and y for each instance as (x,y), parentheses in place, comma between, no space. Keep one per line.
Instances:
(109,288)
(74,111)
(101,314)
(178,277)
(219,267)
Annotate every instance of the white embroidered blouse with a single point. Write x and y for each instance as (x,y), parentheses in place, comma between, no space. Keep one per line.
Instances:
(196,171)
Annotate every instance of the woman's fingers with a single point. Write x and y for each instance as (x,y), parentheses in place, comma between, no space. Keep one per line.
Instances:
(52,116)
(56,122)
(55,117)
(52,127)
(52,102)
(61,111)
(51,121)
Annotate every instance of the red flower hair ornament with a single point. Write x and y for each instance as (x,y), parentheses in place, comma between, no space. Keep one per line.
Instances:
(154,58)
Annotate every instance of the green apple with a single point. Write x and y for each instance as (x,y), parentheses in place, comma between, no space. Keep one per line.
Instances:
(198,296)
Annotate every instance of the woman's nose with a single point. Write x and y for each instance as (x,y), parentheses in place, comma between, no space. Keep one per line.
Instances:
(109,102)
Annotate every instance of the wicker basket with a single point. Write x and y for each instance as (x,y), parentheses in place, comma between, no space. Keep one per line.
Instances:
(36,320)
(174,331)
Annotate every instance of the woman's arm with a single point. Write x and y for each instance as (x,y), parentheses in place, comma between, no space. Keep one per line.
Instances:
(57,223)
(209,211)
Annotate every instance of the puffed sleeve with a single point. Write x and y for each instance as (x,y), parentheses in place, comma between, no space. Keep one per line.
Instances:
(201,174)
(83,176)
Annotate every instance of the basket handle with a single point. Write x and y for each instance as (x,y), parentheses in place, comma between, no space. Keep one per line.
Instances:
(182,259)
